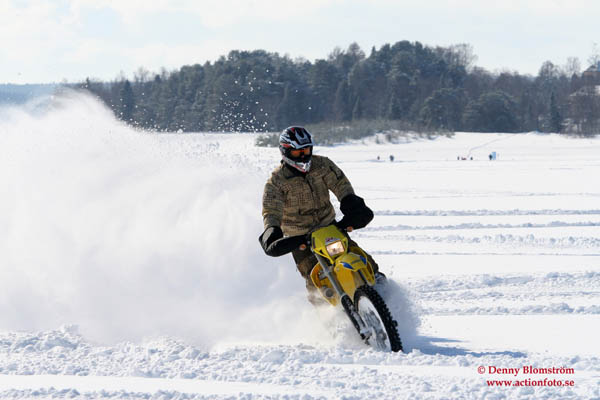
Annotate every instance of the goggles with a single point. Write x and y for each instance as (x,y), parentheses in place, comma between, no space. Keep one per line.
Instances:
(298,152)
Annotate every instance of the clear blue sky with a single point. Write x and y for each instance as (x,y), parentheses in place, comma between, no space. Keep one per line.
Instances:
(56,40)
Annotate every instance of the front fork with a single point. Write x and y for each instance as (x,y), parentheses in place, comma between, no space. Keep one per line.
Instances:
(346,301)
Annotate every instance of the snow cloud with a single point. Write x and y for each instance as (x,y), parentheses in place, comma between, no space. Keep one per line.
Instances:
(130,234)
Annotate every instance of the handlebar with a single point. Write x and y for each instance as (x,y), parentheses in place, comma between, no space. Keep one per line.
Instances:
(288,244)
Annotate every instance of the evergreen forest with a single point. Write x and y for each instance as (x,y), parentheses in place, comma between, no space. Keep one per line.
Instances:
(406,86)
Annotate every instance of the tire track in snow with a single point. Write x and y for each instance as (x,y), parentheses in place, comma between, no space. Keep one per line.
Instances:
(508,240)
(475,194)
(483,212)
(167,368)
(70,386)
(555,308)
(587,279)
(551,293)
(477,225)
(482,253)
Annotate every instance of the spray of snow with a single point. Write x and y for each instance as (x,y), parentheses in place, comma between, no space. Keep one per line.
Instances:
(129,235)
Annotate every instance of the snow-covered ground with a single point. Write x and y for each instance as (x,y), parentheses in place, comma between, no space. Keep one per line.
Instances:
(130,267)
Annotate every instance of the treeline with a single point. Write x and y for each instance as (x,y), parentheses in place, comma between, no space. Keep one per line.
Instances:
(424,88)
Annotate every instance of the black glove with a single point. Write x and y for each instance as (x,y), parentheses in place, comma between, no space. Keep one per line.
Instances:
(271,234)
(356,213)
(275,245)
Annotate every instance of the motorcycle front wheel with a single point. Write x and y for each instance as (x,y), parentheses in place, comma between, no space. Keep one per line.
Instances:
(376,315)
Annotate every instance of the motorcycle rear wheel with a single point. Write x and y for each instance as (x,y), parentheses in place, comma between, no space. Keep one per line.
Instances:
(376,315)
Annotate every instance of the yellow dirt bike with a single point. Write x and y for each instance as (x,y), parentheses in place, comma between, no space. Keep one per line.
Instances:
(344,276)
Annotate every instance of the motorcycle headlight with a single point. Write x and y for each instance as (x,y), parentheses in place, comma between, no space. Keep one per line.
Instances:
(335,248)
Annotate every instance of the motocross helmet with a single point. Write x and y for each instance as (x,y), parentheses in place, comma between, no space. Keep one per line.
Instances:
(295,145)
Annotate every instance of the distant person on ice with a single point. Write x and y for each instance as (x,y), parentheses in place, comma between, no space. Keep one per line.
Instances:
(296,200)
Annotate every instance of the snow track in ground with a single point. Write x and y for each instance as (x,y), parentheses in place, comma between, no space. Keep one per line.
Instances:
(440,367)
(492,265)
(468,213)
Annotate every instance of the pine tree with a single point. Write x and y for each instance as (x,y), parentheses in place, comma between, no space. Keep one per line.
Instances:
(357,110)
(555,117)
(127,102)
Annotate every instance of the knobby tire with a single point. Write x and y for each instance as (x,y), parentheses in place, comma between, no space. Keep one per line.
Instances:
(389,323)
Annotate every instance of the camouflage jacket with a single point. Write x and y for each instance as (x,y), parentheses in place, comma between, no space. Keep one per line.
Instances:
(298,202)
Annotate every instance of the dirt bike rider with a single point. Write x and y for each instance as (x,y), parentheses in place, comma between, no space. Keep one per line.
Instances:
(296,200)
